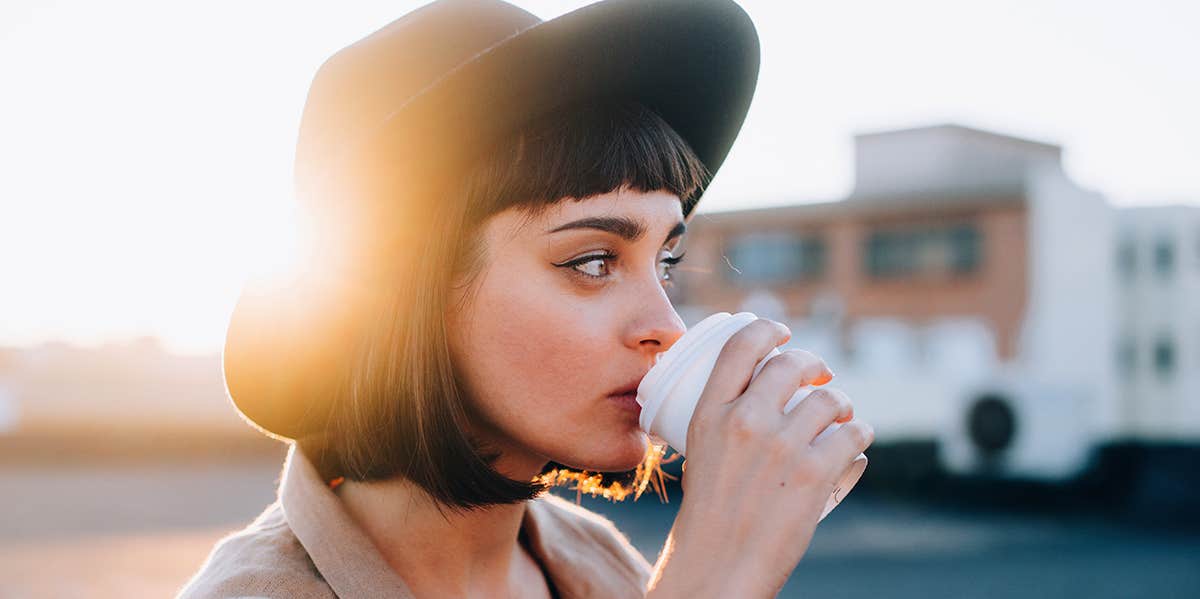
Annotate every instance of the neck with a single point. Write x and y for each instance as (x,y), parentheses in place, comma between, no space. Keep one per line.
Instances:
(472,553)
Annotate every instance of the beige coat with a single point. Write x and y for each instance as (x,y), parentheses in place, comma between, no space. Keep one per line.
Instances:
(305,545)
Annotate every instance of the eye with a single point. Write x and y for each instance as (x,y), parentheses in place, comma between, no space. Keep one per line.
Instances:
(667,264)
(599,266)
(595,266)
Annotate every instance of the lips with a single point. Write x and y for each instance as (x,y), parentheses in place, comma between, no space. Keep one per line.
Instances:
(629,389)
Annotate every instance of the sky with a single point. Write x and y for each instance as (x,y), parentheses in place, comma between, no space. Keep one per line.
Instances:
(146,147)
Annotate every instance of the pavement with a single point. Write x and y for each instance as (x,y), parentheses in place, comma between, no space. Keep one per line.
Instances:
(135,529)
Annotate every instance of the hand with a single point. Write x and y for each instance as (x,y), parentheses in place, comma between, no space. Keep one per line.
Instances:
(756,483)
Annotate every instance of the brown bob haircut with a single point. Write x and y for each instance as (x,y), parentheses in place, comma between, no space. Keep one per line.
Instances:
(402,409)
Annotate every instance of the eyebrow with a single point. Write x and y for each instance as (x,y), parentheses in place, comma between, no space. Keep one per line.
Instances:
(626,228)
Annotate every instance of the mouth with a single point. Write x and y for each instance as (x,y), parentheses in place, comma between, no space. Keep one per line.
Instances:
(627,401)
(626,396)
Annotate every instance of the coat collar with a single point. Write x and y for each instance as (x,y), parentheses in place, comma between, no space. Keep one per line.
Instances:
(582,553)
(339,548)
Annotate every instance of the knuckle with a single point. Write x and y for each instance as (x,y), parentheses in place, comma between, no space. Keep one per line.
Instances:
(779,447)
(806,466)
(826,398)
(861,432)
(797,443)
(800,362)
(788,360)
(739,424)
(842,397)
(744,423)
(769,328)
(781,328)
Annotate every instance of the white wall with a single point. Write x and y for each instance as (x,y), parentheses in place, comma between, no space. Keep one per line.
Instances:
(1067,339)
(1162,407)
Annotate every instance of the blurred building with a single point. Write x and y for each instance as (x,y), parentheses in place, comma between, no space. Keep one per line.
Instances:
(121,397)
(968,293)
(1157,259)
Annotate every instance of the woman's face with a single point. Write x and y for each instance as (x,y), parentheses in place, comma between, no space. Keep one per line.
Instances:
(569,308)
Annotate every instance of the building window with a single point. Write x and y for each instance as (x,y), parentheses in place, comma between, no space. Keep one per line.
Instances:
(775,257)
(1164,356)
(1164,256)
(964,248)
(1127,257)
(901,252)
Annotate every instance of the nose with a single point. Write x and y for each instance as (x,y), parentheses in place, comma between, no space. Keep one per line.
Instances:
(655,325)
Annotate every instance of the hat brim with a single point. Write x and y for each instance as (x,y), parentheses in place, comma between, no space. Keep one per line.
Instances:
(694,62)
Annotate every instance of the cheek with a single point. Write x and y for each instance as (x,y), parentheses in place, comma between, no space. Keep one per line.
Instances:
(538,358)
(539,367)
(541,347)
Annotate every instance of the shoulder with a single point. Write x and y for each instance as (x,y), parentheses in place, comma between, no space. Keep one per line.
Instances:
(574,523)
(265,559)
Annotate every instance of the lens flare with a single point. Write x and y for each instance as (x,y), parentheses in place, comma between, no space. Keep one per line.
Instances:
(649,473)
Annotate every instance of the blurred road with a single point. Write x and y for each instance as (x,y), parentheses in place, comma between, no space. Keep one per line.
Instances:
(140,530)
(872,547)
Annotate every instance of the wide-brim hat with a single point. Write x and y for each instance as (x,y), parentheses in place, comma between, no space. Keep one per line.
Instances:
(424,95)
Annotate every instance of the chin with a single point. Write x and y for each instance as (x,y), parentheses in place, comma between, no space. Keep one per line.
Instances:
(613,455)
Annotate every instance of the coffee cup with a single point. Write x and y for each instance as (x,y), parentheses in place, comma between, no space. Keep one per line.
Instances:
(671,389)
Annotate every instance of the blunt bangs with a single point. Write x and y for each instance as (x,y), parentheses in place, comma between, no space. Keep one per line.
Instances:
(583,150)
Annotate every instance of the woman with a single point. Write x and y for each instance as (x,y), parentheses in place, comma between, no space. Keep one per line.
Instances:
(496,205)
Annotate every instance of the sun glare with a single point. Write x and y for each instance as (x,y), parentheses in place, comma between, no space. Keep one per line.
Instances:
(648,473)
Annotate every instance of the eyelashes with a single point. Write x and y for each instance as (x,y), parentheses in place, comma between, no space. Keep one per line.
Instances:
(673,260)
(605,258)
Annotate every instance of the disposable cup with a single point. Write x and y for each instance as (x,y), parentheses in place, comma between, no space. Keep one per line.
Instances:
(671,389)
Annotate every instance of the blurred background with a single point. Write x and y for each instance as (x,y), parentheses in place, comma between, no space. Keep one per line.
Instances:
(985,216)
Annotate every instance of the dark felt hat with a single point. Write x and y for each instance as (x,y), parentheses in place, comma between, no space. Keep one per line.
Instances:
(422,96)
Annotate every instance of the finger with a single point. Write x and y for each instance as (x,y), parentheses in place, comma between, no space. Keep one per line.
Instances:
(816,412)
(783,374)
(735,364)
(843,445)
